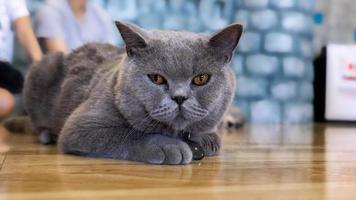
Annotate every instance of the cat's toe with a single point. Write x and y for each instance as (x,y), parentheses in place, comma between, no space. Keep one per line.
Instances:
(169,154)
(160,149)
(154,155)
(177,154)
(210,143)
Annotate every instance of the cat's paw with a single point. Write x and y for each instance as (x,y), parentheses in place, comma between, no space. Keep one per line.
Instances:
(159,149)
(45,137)
(210,143)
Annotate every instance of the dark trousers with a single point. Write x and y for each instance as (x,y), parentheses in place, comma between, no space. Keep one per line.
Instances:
(10,78)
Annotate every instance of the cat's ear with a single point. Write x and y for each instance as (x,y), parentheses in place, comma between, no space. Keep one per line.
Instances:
(133,36)
(226,40)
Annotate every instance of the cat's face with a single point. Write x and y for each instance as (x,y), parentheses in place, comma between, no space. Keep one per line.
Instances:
(178,78)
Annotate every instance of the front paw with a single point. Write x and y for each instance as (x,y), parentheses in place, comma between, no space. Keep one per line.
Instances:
(210,143)
(159,149)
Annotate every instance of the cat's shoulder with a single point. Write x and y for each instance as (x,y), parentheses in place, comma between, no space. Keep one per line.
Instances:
(94,52)
(92,56)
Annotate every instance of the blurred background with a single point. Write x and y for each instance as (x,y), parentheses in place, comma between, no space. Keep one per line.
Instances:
(279,63)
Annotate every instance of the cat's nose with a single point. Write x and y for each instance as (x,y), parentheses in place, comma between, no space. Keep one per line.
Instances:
(179,99)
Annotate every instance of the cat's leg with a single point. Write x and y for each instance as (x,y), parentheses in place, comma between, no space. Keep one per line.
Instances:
(99,132)
(41,89)
(210,143)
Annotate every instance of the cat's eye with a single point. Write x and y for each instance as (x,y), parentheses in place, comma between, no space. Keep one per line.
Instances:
(157,79)
(201,79)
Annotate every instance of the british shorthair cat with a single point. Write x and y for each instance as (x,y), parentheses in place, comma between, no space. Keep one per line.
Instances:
(158,99)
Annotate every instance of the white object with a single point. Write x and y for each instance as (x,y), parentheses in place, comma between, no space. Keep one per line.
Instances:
(9,12)
(340,103)
(55,19)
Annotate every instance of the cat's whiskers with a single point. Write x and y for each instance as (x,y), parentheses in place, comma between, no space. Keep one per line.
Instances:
(160,109)
(198,108)
(165,111)
(196,111)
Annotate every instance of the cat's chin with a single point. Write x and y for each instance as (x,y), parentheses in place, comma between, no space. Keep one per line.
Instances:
(179,123)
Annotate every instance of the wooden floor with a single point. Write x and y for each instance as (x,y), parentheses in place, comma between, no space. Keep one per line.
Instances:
(257,162)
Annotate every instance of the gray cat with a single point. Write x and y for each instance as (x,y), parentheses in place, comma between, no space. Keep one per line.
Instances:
(143,102)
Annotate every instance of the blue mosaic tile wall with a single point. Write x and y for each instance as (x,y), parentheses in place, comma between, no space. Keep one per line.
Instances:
(274,62)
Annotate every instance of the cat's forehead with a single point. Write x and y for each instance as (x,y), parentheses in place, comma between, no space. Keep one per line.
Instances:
(177,37)
(178,54)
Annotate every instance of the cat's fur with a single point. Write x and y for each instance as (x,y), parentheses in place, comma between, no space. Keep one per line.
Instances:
(100,101)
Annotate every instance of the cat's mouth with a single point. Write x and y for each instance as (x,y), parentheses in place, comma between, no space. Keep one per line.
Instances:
(180,122)
(180,115)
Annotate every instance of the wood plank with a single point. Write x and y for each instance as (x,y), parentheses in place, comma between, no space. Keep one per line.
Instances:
(3,146)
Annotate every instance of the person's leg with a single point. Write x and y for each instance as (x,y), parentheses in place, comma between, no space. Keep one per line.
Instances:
(7,103)
(10,78)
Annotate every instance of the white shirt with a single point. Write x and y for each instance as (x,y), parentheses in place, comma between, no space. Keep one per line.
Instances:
(10,10)
(55,19)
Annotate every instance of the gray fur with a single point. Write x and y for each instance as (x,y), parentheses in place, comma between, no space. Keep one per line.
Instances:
(100,101)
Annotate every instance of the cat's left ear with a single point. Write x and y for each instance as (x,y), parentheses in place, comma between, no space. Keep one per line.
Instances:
(226,40)
(133,36)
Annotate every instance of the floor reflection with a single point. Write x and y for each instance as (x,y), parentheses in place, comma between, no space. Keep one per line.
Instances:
(274,154)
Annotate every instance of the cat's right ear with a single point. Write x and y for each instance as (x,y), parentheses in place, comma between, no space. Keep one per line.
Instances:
(133,36)
(226,40)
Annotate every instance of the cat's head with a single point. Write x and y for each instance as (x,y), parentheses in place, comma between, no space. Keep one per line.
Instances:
(177,78)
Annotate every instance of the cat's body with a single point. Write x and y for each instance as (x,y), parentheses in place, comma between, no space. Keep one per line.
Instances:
(59,84)
(136,104)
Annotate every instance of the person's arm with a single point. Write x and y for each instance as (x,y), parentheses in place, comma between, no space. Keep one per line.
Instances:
(49,30)
(55,45)
(27,38)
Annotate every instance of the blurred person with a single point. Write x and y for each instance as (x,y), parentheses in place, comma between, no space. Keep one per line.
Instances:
(7,103)
(14,17)
(63,25)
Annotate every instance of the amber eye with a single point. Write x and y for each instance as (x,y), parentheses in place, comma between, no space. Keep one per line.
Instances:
(157,79)
(201,79)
